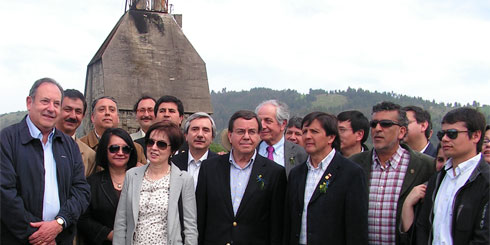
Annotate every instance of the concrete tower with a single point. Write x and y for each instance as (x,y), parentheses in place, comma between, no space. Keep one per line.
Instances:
(147,53)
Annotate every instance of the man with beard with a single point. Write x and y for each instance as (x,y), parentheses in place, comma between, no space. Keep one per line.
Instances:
(72,112)
(392,170)
(144,115)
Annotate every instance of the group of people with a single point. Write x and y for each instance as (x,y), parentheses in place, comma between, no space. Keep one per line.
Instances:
(285,180)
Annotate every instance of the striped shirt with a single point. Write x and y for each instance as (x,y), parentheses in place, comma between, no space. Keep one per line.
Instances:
(384,189)
(239,180)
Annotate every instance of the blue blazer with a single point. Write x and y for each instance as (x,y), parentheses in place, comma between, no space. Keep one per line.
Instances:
(22,183)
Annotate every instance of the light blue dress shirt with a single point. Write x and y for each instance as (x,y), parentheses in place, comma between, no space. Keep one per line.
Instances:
(51,201)
(239,180)
(278,153)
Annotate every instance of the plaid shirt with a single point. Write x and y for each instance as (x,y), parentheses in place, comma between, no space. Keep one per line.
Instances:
(384,189)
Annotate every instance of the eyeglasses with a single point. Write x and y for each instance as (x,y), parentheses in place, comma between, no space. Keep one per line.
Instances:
(115,149)
(242,132)
(383,123)
(162,145)
(451,133)
(486,141)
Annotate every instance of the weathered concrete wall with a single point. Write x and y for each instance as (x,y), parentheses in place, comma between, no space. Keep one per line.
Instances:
(147,53)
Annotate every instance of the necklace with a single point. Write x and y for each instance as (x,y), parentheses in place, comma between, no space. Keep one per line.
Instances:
(117,186)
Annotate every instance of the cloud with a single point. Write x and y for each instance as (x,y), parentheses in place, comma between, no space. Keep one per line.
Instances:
(434,49)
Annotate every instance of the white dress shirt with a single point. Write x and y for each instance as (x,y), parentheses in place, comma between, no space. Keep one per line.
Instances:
(194,166)
(443,208)
(312,178)
(278,151)
(51,200)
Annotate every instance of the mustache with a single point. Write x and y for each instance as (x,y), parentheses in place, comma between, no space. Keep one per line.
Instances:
(146,118)
(71,120)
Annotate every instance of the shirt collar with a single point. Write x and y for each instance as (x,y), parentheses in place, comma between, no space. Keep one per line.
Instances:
(35,132)
(394,160)
(324,163)
(191,159)
(464,166)
(425,148)
(249,164)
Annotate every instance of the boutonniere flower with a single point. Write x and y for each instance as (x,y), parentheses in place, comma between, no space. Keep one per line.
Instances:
(260,181)
(291,160)
(324,186)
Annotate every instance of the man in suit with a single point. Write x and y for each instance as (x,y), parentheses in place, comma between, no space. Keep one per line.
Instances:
(240,195)
(167,108)
(326,200)
(144,109)
(105,115)
(274,117)
(199,132)
(72,112)
(419,130)
(42,183)
(392,170)
(353,132)
(455,209)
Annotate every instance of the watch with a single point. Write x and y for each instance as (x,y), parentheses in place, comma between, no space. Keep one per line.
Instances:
(60,221)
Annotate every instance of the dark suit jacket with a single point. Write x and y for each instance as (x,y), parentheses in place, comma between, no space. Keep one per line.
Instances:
(22,183)
(431,150)
(420,168)
(98,221)
(181,160)
(259,219)
(338,216)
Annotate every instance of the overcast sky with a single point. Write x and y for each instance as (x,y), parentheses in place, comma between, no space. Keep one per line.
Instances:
(435,49)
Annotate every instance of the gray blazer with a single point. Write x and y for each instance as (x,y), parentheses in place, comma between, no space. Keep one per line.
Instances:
(128,208)
(294,155)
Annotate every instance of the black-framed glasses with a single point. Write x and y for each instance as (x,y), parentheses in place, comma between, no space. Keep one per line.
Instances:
(162,145)
(115,149)
(451,133)
(383,123)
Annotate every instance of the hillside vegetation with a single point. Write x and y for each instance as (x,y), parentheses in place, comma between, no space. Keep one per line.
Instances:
(225,103)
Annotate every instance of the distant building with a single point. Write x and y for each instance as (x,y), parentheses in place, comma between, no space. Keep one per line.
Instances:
(147,53)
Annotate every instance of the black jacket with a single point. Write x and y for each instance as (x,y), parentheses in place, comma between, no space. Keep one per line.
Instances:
(470,209)
(98,221)
(22,183)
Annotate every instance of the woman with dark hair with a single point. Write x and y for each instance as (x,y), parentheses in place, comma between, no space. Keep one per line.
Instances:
(116,154)
(158,204)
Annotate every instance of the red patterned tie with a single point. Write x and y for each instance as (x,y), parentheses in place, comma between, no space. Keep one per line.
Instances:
(270,151)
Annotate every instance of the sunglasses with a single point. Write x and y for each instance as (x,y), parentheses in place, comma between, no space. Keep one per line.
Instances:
(115,149)
(451,133)
(383,123)
(162,145)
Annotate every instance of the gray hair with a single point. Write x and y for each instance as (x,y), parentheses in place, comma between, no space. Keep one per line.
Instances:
(198,115)
(94,103)
(35,86)
(282,110)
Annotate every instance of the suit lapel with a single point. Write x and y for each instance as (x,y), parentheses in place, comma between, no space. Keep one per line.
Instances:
(224,179)
(410,174)
(332,171)
(302,185)
(108,189)
(138,179)
(175,190)
(258,168)
(288,154)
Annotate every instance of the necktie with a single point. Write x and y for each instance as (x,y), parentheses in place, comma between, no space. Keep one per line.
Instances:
(270,150)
